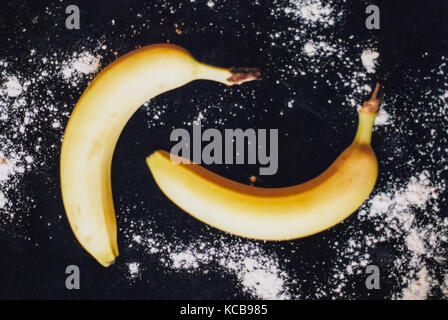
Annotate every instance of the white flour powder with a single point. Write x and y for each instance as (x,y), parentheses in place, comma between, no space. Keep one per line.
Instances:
(368,59)
(83,63)
(258,273)
(25,111)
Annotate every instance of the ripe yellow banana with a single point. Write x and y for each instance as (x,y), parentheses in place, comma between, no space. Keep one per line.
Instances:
(95,126)
(276,213)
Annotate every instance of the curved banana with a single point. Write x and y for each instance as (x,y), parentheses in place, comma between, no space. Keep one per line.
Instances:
(95,126)
(276,213)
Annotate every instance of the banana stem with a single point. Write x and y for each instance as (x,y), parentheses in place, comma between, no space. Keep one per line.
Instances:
(241,75)
(367,115)
(365,127)
(227,76)
(374,103)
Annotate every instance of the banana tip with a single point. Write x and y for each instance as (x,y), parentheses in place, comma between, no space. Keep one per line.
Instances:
(153,156)
(107,263)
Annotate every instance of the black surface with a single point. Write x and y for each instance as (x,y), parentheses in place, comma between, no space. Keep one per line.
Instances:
(310,136)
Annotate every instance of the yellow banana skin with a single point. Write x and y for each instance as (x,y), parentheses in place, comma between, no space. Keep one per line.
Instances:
(95,126)
(276,213)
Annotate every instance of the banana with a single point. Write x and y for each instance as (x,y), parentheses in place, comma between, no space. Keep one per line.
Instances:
(276,213)
(95,126)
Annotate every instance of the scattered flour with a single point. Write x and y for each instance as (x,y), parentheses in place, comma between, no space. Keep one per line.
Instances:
(257,272)
(6,168)
(26,111)
(368,59)
(311,11)
(13,87)
(418,288)
(134,269)
(12,168)
(393,214)
(415,243)
(2,200)
(264,284)
(383,118)
(312,48)
(444,287)
(309,49)
(184,260)
(326,54)
(83,63)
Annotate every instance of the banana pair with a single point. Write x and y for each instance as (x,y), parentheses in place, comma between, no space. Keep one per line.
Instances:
(259,213)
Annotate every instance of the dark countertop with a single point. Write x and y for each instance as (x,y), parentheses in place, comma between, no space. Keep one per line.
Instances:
(37,244)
